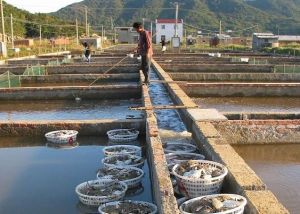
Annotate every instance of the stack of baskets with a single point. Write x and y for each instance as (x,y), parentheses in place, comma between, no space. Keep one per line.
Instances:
(202,182)
(122,170)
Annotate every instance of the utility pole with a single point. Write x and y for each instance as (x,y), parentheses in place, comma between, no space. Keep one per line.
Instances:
(77,33)
(115,34)
(12,31)
(86,21)
(220,29)
(111,22)
(176,19)
(88,32)
(143,22)
(2,20)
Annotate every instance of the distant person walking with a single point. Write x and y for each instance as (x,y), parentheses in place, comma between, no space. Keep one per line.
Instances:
(144,49)
(87,52)
(163,46)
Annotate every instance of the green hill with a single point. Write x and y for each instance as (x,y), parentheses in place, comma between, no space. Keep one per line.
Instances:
(27,24)
(236,15)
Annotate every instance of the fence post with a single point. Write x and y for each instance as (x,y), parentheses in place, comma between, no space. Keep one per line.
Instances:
(8,79)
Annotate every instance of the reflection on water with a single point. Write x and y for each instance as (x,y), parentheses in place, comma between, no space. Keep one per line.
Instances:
(251,104)
(39,179)
(279,167)
(67,109)
(167,119)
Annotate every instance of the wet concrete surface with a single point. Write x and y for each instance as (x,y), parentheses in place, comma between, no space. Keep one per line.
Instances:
(67,109)
(40,179)
(279,168)
(250,104)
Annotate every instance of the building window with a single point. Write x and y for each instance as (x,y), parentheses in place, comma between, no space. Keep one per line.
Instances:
(163,27)
(163,37)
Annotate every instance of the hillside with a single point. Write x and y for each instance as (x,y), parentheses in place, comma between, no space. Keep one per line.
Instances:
(235,14)
(27,24)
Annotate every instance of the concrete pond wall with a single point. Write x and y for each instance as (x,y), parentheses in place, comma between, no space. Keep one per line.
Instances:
(235,77)
(260,131)
(218,68)
(84,127)
(242,89)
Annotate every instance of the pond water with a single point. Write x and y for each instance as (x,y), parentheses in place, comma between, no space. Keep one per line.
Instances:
(251,104)
(35,178)
(279,167)
(67,109)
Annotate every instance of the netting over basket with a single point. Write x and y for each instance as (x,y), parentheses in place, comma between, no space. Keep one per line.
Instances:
(62,136)
(35,71)
(132,176)
(123,135)
(97,192)
(123,160)
(218,204)
(178,157)
(195,181)
(124,207)
(9,80)
(122,149)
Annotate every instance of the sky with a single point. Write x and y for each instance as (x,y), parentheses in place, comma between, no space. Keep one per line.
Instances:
(42,6)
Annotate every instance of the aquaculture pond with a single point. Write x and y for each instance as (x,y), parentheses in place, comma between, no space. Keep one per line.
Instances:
(36,178)
(67,109)
(251,104)
(279,168)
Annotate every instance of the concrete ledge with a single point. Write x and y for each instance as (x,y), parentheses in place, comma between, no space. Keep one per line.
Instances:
(260,131)
(206,115)
(85,127)
(263,202)
(242,89)
(70,92)
(261,116)
(219,68)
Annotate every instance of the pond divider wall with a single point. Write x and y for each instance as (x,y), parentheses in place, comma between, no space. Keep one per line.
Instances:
(241,178)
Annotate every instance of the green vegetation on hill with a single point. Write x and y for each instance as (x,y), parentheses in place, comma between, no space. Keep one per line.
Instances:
(27,24)
(269,15)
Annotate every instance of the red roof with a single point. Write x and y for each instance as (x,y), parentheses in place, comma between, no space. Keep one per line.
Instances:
(168,21)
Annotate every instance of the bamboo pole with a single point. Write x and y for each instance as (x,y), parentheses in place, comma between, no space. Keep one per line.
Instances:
(162,107)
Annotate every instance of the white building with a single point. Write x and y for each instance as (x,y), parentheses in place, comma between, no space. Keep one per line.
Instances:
(165,29)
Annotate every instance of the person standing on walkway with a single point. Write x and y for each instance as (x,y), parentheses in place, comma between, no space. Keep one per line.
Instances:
(144,49)
(163,46)
(87,52)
